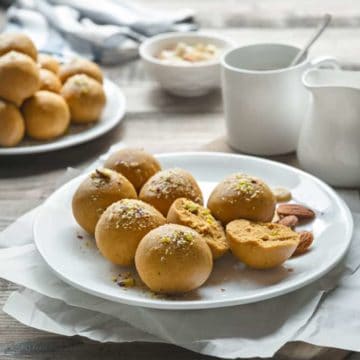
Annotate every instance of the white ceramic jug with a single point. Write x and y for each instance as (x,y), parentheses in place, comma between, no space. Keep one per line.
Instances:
(329,142)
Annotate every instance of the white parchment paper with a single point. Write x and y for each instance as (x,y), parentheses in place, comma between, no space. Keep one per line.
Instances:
(325,313)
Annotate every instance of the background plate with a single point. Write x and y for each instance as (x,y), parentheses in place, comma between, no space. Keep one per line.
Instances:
(73,256)
(77,134)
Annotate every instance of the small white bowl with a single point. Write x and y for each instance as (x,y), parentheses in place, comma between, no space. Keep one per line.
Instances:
(182,79)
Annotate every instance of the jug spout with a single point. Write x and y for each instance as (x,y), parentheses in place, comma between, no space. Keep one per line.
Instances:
(315,79)
(334,91)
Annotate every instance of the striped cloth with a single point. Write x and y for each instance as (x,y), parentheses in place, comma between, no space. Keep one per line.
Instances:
(107,31)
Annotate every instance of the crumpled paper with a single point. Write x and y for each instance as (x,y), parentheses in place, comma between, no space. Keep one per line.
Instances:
(317,314)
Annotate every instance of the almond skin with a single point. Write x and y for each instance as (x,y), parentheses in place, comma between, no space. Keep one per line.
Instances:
(306,239)
(291,221)
(299,211)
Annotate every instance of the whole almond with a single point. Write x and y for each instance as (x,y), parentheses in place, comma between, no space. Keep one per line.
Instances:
(300,211)
(291,221)
(306,239)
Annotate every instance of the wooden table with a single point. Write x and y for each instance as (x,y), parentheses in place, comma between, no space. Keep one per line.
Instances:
(167,123)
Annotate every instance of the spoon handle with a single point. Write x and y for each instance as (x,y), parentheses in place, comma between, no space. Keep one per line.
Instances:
(319,31)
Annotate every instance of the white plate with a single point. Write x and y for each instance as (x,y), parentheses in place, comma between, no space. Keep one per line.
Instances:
(77,134)
(78,262)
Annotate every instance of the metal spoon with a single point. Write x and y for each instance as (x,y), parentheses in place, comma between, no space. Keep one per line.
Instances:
(319,31)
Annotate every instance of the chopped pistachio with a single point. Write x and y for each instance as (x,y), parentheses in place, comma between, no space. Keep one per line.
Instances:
(274,233)
(245,186)
(128,282)
(206,212)
(193,208)
(188,237)
(209,219)
(165,240)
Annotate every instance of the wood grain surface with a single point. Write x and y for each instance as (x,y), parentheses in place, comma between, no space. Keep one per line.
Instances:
(162,123)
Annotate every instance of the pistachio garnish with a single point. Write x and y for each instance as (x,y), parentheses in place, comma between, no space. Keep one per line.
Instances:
(129,282)
(193,208)
(165,240)
(188,237)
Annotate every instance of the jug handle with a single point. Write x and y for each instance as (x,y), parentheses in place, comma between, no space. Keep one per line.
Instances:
(326,62)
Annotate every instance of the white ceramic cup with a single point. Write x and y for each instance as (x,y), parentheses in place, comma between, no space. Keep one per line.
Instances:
(265,101)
